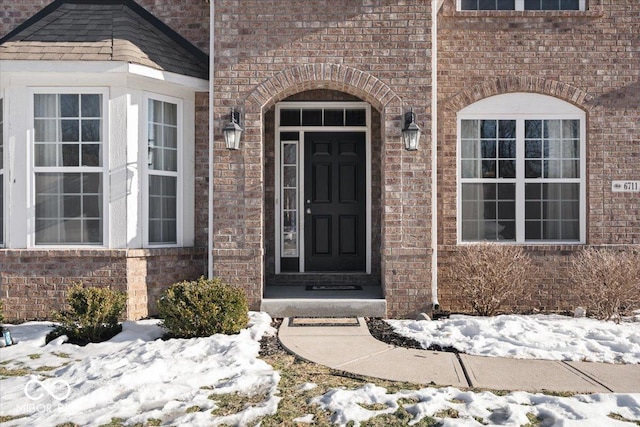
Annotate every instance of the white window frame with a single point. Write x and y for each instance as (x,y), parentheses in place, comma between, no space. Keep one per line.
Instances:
(301,203)
(143,149)
(519,6)
(104,169)
(520,107)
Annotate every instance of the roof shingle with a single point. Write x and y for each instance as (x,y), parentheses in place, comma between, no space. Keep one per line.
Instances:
(119,30)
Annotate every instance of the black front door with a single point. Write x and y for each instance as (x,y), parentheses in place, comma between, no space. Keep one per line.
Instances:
(335,201)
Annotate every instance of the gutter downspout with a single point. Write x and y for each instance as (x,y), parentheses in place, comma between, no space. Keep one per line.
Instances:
(435,6)
(212,56)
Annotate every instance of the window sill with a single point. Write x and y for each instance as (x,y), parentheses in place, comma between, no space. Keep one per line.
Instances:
(558,14)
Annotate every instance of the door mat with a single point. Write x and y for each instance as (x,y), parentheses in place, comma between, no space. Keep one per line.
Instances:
(324,321)
(333,288)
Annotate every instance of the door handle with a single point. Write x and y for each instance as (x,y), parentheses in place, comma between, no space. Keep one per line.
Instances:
(308,211)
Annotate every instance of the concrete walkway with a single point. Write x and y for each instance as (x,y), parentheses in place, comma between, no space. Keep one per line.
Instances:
(347,345)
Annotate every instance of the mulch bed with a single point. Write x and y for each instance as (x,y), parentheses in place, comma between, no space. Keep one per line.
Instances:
(270,344)
(382,331)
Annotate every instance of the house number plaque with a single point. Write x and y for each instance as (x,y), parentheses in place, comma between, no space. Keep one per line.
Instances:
(625,186)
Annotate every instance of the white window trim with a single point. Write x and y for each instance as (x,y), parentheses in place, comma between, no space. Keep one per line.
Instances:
(302,129)
(104,169)
(519,6)
(143,150)
(521,107)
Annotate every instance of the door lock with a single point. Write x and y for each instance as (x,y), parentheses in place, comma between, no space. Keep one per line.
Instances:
(308,211)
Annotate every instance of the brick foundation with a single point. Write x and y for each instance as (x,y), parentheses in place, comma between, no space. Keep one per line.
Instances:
(35,282)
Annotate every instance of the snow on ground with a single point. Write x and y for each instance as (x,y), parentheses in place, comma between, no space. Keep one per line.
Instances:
(550,337)
(485,408)
(135,377)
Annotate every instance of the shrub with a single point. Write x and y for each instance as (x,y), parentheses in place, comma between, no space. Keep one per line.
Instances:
(93,315)
(607,282)
(491,275)
(202,308)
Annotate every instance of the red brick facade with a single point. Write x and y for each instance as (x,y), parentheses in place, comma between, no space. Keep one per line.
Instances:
(35,282)
(379,51)
(376,52)
(590,59)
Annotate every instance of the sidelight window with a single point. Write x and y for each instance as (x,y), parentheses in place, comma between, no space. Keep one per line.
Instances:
(162,172)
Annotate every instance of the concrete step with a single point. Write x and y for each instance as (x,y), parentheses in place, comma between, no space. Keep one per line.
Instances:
(324,307)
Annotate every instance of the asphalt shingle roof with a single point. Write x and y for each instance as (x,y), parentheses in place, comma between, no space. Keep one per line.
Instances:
(98,30)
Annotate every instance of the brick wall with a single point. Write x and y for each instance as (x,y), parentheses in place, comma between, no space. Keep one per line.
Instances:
(201,212)
(34,283)
(589,59)
(379,51)
(151,271)
(376,51)
(189,18)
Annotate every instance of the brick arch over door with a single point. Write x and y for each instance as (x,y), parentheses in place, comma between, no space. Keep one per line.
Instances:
(323,76)
(239,204)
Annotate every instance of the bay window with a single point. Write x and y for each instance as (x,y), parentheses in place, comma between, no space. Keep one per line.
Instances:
(521,174)
(68,168)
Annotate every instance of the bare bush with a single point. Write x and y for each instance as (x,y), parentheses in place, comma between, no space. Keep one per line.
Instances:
(492,276)
(607,282)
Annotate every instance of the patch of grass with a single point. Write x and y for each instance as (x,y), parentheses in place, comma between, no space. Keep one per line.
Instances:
(5,362)
(61,354)
(34,356)
(232,403)
(373,406)
(619,417)
(4,372)
(120,422)
(399,418)
(153,422)
(481,420)
(192,409)
(6,418)
(534,421)
(447,413)
(294,403)
(67,425)
(49,368)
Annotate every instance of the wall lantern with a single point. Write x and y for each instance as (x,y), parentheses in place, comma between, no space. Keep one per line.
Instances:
(411,132)
(232,131)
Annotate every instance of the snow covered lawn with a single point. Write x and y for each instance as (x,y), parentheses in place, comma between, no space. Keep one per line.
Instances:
(549,337)
(137,379)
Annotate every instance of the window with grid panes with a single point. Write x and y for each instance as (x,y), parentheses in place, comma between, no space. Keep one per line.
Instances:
(68,168)
(521,4)
(521,178)
(162,140)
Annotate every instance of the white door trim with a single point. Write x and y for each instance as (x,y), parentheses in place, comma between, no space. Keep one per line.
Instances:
(300,172)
